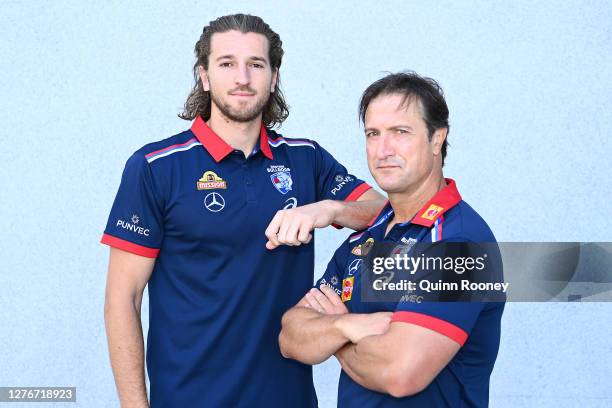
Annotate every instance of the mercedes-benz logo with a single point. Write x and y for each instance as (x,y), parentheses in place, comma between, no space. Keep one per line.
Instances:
(214,202)
(354,266)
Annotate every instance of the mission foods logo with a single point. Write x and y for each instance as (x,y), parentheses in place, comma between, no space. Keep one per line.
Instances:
(210,181)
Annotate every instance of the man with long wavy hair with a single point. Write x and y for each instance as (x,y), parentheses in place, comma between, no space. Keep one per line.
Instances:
(218,222)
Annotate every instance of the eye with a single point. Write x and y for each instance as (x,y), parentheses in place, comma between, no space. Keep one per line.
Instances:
(225,64)
(402,131)
(257,65)
(371,133)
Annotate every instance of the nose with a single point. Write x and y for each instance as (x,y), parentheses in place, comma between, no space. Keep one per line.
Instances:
(384,147)
(243,75)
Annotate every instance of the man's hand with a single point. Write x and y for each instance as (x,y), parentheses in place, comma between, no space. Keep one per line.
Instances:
(357,326)
(293,226)
(325,301)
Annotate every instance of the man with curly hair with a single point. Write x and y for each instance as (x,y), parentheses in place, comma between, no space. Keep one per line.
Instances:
(218,222)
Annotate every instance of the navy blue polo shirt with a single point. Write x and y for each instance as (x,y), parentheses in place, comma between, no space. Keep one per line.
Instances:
(475,326)
(216,294)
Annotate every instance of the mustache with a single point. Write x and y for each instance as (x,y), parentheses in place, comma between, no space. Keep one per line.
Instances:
(242,89)
(388,162)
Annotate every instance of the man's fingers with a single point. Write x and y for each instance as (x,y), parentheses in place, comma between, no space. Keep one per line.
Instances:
(272,230)
(304,235)
(290,227)
(314,303)
(328,307)
(331,295)
(283,229)
(291,234)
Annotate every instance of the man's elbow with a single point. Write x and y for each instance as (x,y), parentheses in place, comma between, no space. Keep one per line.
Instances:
(118,305)
(283,344)
(284,341)
(401,382)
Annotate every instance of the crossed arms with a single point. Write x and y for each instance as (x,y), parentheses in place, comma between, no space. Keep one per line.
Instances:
(396,358)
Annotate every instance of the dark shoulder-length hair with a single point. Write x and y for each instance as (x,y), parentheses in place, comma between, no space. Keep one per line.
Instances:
(198,102)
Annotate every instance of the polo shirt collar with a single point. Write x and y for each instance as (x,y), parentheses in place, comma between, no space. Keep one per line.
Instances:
(441,202)
(217,147)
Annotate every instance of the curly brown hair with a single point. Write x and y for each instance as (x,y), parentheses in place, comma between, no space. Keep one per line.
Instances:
(198,102)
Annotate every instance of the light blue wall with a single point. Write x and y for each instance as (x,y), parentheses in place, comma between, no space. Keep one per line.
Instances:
(529,88)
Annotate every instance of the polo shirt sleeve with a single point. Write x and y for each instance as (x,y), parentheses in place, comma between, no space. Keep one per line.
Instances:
(454,319)
(135,223)
(335,269)
(334,181)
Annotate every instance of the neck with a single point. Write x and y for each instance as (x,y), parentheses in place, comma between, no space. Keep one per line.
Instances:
(407,203)
(242,136)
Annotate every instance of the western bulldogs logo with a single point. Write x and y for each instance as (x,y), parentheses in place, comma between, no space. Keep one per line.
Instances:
(282,181)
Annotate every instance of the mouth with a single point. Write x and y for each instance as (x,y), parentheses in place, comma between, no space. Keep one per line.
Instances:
(242,94)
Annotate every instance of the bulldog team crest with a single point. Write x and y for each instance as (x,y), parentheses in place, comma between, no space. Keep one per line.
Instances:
(282,181)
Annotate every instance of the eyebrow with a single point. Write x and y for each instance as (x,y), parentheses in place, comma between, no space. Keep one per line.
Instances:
(252,58)
(392,128)
(401,126)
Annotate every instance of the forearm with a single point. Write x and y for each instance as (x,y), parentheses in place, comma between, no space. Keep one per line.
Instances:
(357,214)
(368,362)
(126,349)
(309,336)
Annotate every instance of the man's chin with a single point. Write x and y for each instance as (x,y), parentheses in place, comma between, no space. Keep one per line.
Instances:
(241,111)
(241,115)
(390,187)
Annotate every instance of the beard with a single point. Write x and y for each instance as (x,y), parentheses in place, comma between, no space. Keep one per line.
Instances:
(246,114)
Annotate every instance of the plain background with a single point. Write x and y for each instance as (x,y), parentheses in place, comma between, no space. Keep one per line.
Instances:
(84,85)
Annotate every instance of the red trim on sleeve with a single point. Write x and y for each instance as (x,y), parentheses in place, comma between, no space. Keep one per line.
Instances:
(451,331)
(129,246)
(358,192)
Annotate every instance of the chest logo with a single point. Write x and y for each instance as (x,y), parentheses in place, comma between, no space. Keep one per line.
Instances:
(354,266)
(347,288)
(408,243)
(363,249)
(290,203)
(282,181)
(214,202)
(431,212)
(210,181)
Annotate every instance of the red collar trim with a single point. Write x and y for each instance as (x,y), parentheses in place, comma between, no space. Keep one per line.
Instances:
(443,201)
(217,147)
(263,142)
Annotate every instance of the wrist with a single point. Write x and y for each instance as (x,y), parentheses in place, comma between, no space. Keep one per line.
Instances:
(335,209)
(342,325)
